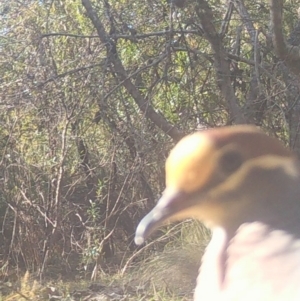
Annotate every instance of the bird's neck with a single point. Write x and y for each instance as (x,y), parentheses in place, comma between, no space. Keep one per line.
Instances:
(277,206)
(273,218)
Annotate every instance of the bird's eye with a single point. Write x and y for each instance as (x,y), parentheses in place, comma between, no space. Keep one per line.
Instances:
(230,161)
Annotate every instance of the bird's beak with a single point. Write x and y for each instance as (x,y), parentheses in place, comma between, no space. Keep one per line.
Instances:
(172,206)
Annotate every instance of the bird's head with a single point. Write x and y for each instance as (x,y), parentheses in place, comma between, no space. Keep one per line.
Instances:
(223,177)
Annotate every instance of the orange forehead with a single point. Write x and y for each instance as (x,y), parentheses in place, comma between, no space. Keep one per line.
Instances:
(190,163)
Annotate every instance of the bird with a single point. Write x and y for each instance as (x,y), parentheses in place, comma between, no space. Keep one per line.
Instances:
(245,186)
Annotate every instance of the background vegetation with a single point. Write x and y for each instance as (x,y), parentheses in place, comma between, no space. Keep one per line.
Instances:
(93,94)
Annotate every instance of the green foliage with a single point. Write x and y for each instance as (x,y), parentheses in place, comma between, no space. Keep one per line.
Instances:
(81,157)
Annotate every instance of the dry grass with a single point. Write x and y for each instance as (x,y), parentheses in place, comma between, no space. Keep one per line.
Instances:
(174,270)
(28,290)
(164,274)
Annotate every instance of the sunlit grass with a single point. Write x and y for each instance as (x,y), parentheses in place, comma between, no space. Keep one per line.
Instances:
(162,271)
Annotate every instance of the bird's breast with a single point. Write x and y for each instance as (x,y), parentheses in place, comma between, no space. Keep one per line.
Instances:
(258,263)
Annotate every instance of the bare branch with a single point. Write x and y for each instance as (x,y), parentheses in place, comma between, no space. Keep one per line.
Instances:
(221,62)
(143,104)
